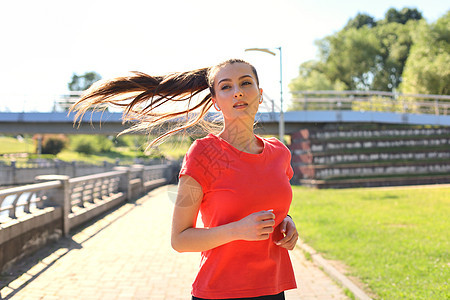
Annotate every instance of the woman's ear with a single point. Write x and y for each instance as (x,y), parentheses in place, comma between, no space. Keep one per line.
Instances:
(215,104)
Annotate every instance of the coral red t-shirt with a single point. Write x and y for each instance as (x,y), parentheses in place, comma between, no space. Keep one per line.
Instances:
(236,184)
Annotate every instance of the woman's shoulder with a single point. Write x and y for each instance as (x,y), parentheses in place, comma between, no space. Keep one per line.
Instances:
(201,144)
(275,143)
(204,141)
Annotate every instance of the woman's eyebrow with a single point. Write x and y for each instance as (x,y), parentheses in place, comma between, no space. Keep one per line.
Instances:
(228,79)
(245,76)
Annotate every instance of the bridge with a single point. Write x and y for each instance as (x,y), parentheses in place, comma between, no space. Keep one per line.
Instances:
(337,138)
(311,108)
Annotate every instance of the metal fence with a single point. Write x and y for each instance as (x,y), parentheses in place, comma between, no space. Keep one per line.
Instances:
(80,193)
(371,101)
(32,215)
(24,172)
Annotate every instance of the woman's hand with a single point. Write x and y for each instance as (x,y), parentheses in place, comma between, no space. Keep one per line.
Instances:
(290,233)
(255,227)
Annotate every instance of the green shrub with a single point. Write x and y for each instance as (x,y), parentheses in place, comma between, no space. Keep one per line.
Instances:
(53,144)
(90,144)
(83,145)
(103,143)
(120,141)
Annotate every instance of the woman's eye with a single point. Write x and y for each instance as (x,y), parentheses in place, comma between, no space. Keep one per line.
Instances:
(246,83)
(224,87)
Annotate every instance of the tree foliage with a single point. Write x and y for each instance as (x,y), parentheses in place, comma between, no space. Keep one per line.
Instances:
(427,67)
(395,44)
(77,83)
(361,20)
(403,16)
(90,144)
(351,56)
(83,82)
(401,52)
(53,143)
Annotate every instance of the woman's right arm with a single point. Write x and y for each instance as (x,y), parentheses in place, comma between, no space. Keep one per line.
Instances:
(187,238)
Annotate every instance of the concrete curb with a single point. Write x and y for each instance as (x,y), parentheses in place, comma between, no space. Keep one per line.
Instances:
(331,271)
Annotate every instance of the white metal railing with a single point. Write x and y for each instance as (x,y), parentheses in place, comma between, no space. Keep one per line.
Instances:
(82,191)
(33,214)
(24,172)
(371,101)
(92,188)
(22,199)
(64,102)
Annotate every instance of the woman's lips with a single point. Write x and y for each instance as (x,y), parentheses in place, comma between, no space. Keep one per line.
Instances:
(240,104)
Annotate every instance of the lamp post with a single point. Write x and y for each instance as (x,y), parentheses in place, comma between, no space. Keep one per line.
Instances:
(281,121)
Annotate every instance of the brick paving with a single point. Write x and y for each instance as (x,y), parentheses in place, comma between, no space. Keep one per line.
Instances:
(127,255)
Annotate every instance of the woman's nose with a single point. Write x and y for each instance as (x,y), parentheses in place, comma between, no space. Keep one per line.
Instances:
(238,93)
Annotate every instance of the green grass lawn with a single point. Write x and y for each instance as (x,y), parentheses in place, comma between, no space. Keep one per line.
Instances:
(173,149)
(396,241)
(12,145)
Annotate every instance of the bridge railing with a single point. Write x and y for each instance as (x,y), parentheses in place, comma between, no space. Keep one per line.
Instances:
(24,172)
(23,199)
(31,215)
(64,102)
(371,101)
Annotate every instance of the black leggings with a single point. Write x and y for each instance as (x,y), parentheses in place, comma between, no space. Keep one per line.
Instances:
(279,296)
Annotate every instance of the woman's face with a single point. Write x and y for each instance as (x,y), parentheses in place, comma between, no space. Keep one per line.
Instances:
(236,91)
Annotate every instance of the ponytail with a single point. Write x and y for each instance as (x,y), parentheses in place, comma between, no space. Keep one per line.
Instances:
(149,100)
(174,99)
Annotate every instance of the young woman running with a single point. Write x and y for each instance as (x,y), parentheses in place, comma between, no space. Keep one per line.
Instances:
(236,180)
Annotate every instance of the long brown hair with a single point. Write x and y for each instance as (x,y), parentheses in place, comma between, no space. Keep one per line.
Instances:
(175,99)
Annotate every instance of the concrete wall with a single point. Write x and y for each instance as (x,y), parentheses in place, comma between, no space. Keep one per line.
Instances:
(28,233)
(369,155)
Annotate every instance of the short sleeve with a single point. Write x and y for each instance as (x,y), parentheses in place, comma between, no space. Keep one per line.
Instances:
(285,156)
(289,170)
(195,165)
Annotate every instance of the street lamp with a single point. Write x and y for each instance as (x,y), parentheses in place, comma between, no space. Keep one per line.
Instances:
(281,122)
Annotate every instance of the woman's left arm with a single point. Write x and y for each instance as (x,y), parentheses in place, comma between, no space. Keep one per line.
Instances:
(289,230)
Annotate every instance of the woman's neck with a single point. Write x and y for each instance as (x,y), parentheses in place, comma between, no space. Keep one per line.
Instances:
(240,135)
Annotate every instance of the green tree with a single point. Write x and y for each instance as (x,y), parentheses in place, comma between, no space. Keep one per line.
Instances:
(365,55)
(53,143)
(351,56)
(403,16)
(427,67)
(83,82)
(395,44)
(90,144)
(78,83)
(361,20)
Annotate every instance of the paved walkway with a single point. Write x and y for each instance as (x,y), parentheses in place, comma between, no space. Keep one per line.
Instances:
(127,255)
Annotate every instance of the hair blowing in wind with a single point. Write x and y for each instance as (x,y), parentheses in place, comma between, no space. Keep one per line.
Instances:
(151,101)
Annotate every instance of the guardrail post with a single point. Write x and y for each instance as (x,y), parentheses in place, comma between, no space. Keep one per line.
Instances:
(67,207)
(173,171)
(13,172)
(57,165)
(60,197)
(139,170)
(124,184)
(74,168)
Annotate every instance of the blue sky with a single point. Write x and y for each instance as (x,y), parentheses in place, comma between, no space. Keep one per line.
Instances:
(45,42)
